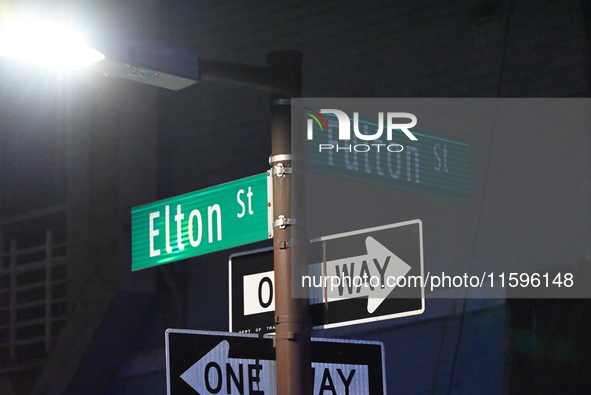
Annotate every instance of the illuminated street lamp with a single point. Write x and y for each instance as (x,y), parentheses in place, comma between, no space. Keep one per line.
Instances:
(41,43)
(60,47)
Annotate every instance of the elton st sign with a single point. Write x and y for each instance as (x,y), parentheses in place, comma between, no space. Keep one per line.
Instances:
(197,223)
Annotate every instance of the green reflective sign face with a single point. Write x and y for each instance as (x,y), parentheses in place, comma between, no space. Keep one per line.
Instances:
(432,165)
(197,223)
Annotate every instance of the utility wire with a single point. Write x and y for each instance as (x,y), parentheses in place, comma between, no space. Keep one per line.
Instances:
(484,187)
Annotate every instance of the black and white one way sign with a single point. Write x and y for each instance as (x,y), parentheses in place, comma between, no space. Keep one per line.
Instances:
(206,363)
(354,277)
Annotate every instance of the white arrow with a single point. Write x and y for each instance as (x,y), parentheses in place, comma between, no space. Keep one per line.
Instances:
(215,373)
(372,274)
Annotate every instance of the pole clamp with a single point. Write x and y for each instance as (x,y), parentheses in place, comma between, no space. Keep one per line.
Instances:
(280,170)
(279,158)
(282,222)
(282,319)
(291,336)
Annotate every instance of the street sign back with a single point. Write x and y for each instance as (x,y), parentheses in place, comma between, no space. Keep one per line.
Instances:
(197,223)
(381,253)
(205,363)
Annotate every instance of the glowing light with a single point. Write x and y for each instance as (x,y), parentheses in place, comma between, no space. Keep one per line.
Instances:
(39,42)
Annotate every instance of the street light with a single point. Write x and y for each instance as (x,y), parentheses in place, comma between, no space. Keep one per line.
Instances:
(39,42)
(175,69)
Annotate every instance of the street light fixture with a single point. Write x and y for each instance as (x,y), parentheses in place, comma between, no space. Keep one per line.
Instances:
(36,41)
(39,42)
(149,63)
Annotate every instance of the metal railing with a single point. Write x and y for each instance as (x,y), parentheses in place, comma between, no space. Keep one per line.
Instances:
(33,298)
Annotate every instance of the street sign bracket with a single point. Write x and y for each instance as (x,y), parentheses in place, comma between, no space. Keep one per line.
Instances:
(279,158)
(280,170)
(283,222)
(270,228)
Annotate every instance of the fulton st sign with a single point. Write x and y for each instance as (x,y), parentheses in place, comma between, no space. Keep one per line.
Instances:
(430,164)
(381,147)
(197,223)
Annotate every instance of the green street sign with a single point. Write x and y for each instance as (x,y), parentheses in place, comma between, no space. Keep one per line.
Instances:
(212,219)
(432,165)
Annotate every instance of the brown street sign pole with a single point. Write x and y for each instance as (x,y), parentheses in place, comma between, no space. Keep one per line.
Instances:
(294,374)
(283,77)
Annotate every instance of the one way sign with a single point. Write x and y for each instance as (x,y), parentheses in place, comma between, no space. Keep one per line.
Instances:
(205,363)
(355,277)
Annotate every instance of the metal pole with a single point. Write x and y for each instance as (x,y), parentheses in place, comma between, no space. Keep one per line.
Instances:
(292,339)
